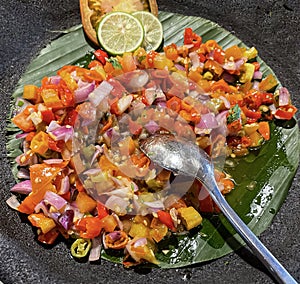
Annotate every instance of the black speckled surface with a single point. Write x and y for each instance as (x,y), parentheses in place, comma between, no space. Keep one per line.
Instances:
(27,26)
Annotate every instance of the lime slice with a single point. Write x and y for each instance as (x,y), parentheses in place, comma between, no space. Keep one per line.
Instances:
(153,30)
(120,32)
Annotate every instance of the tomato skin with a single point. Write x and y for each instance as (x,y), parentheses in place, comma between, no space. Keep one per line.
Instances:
(101,56)
(285,112)
(192,38)
(71,117)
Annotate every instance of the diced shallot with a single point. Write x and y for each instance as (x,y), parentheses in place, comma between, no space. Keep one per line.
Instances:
(64,185)
(53,161)
(257,75)
(100,93)
(66,219)
(151,126)
(65,133)
(55,200)
(194,59)
(95,251)
(82,93)
(23,187)
(284,96)
(13,202)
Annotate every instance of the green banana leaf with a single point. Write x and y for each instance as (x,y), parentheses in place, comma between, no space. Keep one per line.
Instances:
(262,179)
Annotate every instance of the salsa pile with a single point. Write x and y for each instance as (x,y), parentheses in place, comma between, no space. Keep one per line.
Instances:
(83,175)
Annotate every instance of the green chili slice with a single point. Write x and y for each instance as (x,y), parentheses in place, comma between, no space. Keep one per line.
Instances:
(81,247)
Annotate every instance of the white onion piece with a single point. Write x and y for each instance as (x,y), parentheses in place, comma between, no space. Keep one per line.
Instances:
(284,96)
(95,251)
(226,102)
(139,80)
(64,185)
(155,205)
(194,59)
(13,202)
(53,161)
(117,204)
(100,93)
(120,224)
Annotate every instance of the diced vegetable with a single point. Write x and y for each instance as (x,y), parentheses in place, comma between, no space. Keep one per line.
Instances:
(190,217)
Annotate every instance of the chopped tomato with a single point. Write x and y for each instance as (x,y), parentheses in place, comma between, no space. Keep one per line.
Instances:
(285,112)
(191,38)
(101,55)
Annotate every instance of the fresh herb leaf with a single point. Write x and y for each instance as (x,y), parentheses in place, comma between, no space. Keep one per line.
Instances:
(234,114)
(115,63)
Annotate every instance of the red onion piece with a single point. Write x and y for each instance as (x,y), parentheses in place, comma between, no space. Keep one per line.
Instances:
(228,77)
(115,235)
(284,96)
(55,200)
(83,91)
(208,121)
(92,171)
(23,187)
(179,67)
(240,62)
(140,242)
(150,95)
(255,85)
(41,206)
(100,93)
(13,202)
(66,220)
(23,174)
(21,135)
(229,65)
(272,108)
(55,80)
(257,75)
(65,133)
(152,126)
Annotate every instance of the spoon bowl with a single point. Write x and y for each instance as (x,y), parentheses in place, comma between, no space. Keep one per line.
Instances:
(186,158)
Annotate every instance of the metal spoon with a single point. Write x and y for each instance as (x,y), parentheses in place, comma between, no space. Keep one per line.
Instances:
(187,159)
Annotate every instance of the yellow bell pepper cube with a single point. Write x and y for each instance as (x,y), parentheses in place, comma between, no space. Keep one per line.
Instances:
(39,143)
(41,221)
(30,92)
(51,98)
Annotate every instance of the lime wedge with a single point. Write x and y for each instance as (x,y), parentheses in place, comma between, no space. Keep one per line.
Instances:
(153,30)
(120,32)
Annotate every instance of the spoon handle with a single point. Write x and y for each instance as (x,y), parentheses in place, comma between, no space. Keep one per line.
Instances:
(257,247)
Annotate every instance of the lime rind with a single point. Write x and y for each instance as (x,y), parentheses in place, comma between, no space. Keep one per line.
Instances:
(153,30)
(120,32)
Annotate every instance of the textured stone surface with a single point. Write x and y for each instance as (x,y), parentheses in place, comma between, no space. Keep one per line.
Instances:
(29,25)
